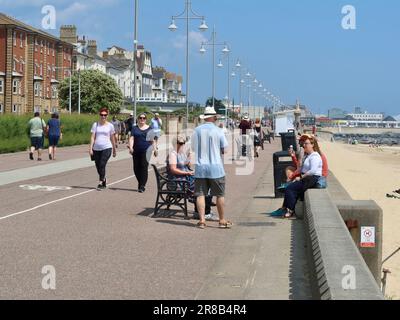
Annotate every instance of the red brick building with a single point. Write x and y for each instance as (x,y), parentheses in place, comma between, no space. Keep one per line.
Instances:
(32,63)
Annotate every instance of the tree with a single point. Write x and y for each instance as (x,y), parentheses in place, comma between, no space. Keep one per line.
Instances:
(98,90)
(219,105)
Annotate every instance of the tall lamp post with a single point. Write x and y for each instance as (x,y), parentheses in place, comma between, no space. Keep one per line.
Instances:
(188,14)
(135,43)
(212,43)
(241,81)
(226,52)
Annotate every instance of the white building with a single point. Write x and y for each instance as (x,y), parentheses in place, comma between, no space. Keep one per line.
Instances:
(367,116)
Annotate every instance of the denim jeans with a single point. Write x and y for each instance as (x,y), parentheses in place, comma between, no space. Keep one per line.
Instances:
(322,183)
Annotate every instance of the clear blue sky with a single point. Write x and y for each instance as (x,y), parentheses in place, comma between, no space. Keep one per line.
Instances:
(297,48)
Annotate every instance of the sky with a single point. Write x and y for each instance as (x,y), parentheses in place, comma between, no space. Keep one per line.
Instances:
(297,49)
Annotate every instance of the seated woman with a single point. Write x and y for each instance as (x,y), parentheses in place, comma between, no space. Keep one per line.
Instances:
(311,172)
(306,176)
(178,166)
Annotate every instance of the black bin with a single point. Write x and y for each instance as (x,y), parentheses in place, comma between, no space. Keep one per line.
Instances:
(281,160)
(288,139)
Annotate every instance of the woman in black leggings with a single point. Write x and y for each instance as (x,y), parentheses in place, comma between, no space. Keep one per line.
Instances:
(141,147)
(102,146)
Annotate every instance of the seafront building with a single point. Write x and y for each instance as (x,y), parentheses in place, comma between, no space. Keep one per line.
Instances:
(32,63)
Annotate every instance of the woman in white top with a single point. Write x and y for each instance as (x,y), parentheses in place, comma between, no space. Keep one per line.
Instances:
(102,145)
(311,172)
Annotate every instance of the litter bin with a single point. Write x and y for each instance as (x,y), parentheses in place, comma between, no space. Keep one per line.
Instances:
(288,139)
(281,160)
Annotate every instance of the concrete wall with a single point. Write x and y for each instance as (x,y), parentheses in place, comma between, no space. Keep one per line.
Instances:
(338,270)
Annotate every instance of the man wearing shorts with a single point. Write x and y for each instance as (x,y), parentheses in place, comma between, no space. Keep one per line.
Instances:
(36,132)
(209,143)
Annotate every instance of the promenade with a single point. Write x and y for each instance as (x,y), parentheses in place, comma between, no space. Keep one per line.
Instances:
(106,245)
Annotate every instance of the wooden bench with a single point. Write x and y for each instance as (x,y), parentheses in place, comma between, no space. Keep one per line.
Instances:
(170,193)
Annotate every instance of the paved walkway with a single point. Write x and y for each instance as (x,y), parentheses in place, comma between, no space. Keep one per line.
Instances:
(105,245)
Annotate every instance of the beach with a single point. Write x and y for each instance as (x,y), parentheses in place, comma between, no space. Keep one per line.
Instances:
(369,174)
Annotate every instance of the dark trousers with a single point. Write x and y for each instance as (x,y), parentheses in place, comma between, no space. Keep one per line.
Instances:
(297,189)
(292,194)
(141,168)
(101,158)
(208,205)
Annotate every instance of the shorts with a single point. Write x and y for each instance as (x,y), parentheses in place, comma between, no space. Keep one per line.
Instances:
(53,141)
(37,142)
(213,187)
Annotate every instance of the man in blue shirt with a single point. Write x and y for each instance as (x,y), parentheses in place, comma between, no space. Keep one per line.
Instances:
(209,143)
(156,125)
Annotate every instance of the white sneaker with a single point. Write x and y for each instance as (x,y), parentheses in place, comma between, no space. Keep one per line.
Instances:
(212,217)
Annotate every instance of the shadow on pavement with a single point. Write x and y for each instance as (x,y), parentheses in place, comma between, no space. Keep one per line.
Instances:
(256,224)
(298,270)
(265,197)
(180,223)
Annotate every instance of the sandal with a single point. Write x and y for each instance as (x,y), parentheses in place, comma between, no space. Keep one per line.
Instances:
(225,225)
(289,215)
(201,225)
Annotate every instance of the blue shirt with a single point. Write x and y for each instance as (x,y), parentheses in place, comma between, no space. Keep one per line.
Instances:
(142,139)
(207,142)
(54,127)
(156,125)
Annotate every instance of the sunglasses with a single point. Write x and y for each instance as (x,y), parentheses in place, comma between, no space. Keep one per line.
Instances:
(104,115)
(142,118)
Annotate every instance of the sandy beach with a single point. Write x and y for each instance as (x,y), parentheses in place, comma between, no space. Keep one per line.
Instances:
(369,174)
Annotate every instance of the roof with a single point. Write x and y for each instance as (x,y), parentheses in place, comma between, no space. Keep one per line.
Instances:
(7,20)
(118,63)
(118,48)
(91,56)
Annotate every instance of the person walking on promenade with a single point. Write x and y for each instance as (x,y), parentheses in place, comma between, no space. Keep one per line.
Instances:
(129,123)
(54,134)
(36,128)
(258,137)
(156,126)
(115,123)
(209,143)
(102,146)
(245,127)
(141,145)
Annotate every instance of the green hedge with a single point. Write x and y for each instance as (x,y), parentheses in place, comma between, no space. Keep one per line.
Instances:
(13,136)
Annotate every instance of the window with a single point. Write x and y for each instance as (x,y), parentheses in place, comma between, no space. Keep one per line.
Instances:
(37,84)
(1,108)
(1,86)
(37,109)
(40,90)
(53,47)
(41,69)
(36,45)
(54,92)
(15,38)
(15,108)
(47,92)
(15,86)
(41,46)
(21,40)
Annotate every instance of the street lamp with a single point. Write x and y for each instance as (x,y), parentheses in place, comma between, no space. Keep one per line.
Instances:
(135,43)
(214,44)
(226,53)
(188,14)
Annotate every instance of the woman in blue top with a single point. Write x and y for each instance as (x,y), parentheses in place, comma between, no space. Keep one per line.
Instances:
(54,134)
(141,147)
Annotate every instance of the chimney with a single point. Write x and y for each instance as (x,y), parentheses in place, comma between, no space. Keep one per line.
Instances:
(92,48)
(68,34)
